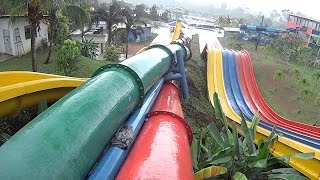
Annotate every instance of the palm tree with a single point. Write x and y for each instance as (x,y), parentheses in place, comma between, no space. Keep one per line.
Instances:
(75,11)
(130,20)
(111,15)
(34,11)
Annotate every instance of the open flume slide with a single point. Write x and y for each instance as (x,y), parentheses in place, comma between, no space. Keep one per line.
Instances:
(228,76)
(22,89)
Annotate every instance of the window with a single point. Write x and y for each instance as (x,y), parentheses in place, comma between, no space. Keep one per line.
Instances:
(27,32)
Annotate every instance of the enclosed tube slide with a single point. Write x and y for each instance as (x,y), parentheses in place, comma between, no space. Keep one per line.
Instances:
(162,149)
(109,165)
(65,141)
(21,89)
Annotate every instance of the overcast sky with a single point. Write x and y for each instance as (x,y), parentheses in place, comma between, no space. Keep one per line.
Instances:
(308,7)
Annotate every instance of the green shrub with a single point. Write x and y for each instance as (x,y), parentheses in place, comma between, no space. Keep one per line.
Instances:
(67,56)
(89,48)
(212,147)
(279,74)
(112,53)
(295,72)
(304,82)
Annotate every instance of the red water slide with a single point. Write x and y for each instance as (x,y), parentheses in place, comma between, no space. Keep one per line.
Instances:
(253,96)
(162,149)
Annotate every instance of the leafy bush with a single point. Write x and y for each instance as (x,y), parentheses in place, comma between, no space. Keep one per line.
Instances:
(237,45)
(305,93)
(239,156)
(112,53)
(295,72)
(89,48)
(290,47)
(279,74)
(303,82)
(67,56)
(62,29)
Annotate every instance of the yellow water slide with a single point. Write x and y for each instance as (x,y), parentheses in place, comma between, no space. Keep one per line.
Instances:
(22,89)
(284,146)
(177,30)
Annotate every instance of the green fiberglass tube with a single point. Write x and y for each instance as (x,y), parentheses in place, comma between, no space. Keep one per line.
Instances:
(65,141)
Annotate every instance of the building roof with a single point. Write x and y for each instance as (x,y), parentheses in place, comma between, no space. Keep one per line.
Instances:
(312,20)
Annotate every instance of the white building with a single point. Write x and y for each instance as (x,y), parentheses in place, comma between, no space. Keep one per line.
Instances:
(97,37)
(15,38)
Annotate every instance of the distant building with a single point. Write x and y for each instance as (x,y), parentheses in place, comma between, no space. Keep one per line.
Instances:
(140,33)
(312,29)
(137,33)
(15,38)
(97,34)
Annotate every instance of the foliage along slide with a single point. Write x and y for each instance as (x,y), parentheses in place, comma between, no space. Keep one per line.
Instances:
(22,89)
(230,75)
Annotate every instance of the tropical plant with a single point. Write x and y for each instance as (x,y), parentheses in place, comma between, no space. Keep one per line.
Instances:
(290,48)
(154,13)
(279,74)
(129,19)
(67,56)
(34,11)
(59,15)
(305,93)
(112,53)
(295,72)
(89,48)
(111,15)
(140,11)
(240,156)
(303,82)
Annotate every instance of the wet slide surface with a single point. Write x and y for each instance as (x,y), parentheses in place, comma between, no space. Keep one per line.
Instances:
(230,75)
(21,89)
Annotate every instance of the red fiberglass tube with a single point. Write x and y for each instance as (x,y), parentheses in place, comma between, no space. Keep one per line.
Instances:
(162,149)
(265,111)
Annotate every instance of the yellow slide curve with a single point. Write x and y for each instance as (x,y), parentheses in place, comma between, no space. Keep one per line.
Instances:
(22,89)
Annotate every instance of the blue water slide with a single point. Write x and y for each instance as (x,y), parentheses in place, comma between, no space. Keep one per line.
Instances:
(237,102)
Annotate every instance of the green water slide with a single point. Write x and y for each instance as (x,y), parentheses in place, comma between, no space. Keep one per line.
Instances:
(66,140)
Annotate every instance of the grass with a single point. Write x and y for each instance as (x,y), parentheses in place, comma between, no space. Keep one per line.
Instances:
(85,67)
(197,110)
(284,99)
